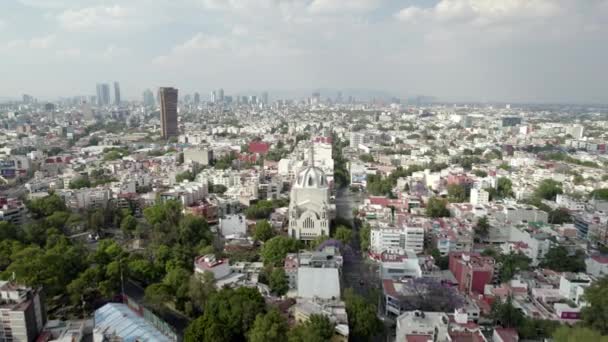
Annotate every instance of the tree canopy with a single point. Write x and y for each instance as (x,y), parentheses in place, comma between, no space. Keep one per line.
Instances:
(436,207)
(263,231)
(275,250)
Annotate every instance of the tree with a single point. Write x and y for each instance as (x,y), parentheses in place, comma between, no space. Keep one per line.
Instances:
(46,206)
(263,231)
(157,295)
(441,261)
(364,236)
(80,182)
(548,189)
(270,327)
(229,315)
(559,216)
(194,230)
(362,319)
(506,314)
(186,175)
(318,328)
(576,333)
(504,187)
(482,228)
(456,193)
(560,260)
(436,207)
(428,294)
(600,194)
(343,234)
(275,250)
(278,281)
(128,224)
(200,288)
(595,313)
(511,264)
(367,158)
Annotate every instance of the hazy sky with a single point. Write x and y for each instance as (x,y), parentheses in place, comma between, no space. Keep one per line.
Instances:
(511,50)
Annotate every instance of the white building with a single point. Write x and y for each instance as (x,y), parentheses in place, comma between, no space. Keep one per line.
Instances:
(208,263)
(597,266)
(356,139)
(198,155)
(309,207)
(394,239)
(572,286)
(233,225)
(479,196)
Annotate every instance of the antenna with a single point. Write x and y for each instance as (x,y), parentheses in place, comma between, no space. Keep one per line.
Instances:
(311,159)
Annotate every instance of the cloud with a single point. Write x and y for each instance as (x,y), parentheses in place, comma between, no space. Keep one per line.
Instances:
(483,12)
(36,43)
(96,18)
(341,6)
(70,53)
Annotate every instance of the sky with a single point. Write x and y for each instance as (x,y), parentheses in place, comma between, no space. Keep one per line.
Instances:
(456,50)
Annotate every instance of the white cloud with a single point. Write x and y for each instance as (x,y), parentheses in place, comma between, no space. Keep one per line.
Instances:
(484,12)
(70,53)
(341,6)
(113,51)
(96,18)
(36,43)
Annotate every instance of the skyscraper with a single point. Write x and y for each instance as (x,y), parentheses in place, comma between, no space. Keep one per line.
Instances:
(220,95)
(168,112)
(103,94)
(116,93)
(197,98)
(148,98)
(265,98)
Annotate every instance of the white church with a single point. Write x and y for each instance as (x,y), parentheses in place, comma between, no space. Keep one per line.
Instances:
(310,210)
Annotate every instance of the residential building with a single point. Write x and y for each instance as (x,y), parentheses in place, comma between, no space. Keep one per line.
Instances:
(572,286)
(334,309)
(472,271)
(321,283)
(233,225)
(479,196)
(23,312)
(119,322)
(393,238)
(12,210)
(202,156)
(597,266)
(220,268)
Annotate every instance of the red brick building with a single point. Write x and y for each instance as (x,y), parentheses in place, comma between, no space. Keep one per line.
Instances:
(472,271)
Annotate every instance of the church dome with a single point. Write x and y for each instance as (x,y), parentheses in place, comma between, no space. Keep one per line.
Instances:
(311,177)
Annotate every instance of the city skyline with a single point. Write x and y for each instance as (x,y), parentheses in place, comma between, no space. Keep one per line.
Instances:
(456,50)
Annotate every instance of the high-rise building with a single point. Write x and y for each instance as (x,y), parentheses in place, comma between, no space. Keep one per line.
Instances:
(213,96)
(103,94)
(168,112)
(265,98)
(23,312)
(148,98)
(116,93)
(220,95)
(197,98)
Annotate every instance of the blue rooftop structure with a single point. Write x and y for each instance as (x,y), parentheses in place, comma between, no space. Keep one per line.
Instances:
(120,320)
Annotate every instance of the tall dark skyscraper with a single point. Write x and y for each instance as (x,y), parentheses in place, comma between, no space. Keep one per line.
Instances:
(168,112)
(116,93)
(103,94)
(197,98)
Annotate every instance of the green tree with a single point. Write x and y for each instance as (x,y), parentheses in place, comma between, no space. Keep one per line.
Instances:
(576,333)
(194,230)
(263,231)
(343,234)
(128,224)
(157,295)
(278,281)
(275,250)
(436,207)
(506,314)
(362,318)
(482,228)
(456,193)
(229,315)
(548,189)
(559,216)
(560,260)
(595,313)
(186,175)
(441,261)
(318,328)
(46,206)
(364,236)
(511,264)
(80,182)
(600,194)
(367,158)
(504,187)
(200,289)
(270,327)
